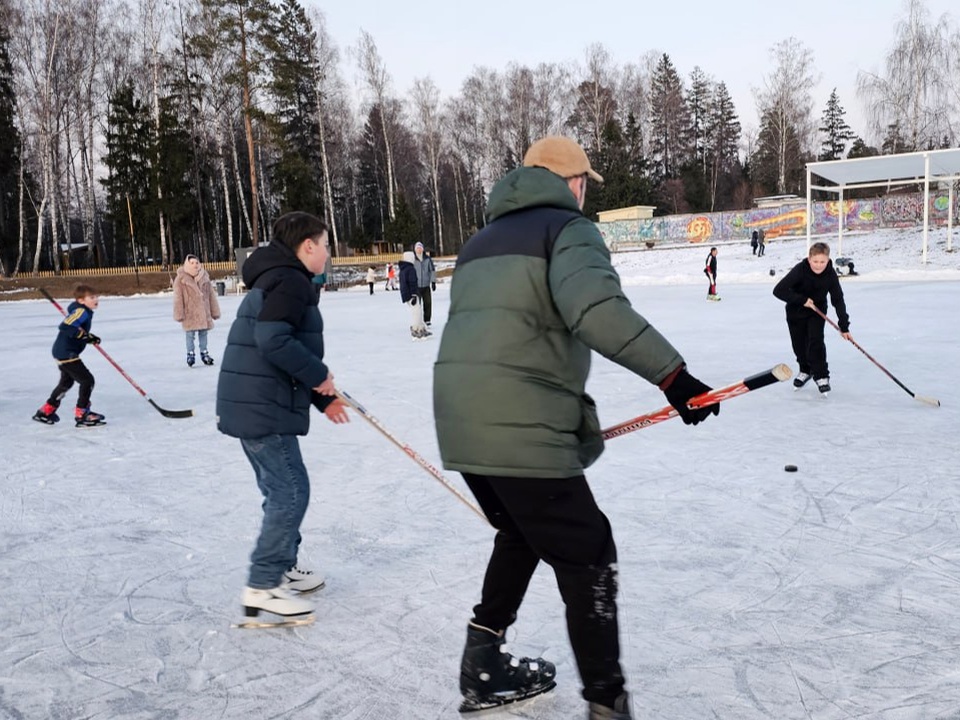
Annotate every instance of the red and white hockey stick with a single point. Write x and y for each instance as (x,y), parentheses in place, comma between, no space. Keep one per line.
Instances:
(776,374)
(932,402)
(414,455)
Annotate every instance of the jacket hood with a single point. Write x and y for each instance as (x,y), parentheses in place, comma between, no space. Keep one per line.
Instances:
(408,256)
(529,187)
(267,258)
(198,278)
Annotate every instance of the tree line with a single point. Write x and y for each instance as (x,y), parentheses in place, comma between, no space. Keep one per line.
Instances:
(137,131)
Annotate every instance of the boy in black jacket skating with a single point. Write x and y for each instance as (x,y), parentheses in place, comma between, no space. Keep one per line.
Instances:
(72,339)
(805,287)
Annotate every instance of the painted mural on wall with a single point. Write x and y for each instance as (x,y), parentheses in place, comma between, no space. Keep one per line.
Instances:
(891,211)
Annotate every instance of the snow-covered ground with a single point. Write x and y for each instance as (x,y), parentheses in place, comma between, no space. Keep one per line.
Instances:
(746,592)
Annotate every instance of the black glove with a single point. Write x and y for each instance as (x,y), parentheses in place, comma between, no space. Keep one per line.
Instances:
(413,300)
(91,339)
(434,286)
(684,387)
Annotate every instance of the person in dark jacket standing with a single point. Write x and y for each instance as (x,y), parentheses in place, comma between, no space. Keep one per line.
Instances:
(410,296)
(532,294)
(426,280)
(73,336)
(710,270)
(806,286)
(272,372)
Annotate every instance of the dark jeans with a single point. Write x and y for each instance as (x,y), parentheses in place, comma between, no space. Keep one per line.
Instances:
(806,336)
(427,301)
(283,481)
(760,250)
(73,372)
(557,521)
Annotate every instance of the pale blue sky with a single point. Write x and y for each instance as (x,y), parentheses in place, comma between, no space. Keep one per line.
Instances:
(730,40)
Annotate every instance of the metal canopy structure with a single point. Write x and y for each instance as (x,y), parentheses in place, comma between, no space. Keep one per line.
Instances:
(888,171)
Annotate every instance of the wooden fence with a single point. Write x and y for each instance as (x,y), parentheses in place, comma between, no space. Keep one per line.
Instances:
(227,267)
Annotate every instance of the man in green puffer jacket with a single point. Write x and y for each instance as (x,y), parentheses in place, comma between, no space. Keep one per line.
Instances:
(533,293)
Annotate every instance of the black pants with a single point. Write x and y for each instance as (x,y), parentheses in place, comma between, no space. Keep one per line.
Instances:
(806,336)
(556,521)
(427,301)
(371,288)
(73,372)
(760,250)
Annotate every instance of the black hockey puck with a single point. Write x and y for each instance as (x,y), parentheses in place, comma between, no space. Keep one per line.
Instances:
(790,468)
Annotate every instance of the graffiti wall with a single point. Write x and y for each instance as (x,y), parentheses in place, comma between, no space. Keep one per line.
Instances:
(892,211)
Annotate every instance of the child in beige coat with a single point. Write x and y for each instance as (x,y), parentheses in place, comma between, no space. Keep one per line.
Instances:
(195,306)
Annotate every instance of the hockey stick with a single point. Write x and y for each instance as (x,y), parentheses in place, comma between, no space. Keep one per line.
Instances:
(776,374)
(414,455)
(162,411)
(932,402)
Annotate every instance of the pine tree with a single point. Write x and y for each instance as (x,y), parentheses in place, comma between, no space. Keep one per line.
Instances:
(722,140)
(835,130)
(9,156)
(669,121)
(290,44)
(128,182)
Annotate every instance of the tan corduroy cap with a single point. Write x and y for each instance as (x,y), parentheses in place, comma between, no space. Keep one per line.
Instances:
(560,155)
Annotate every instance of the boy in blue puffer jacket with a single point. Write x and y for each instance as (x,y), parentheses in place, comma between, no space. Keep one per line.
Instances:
(272,372)
(73,336)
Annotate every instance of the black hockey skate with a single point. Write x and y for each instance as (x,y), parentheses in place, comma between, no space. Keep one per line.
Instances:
(491,677)
(47,415)
(801,379)
(205,357)
(88,418)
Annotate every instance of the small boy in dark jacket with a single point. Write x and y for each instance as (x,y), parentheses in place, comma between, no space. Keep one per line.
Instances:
(803,288)
(72,339)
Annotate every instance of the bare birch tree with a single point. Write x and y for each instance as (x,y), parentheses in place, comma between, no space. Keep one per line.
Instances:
(426,104)
(377,80)
(785,103)
(912,94)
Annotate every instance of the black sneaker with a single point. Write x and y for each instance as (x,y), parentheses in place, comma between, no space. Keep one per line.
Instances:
(491,677)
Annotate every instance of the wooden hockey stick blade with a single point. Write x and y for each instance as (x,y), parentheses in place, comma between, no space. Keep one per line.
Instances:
(778,373)
(932,402)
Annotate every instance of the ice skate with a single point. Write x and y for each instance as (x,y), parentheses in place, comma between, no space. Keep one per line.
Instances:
(87,418)
(301,580)
(205,357)
(800,380)
(823,385)
(619,711)
(47,415)
(191,359)
(276,601)
(713,298)
(491,677)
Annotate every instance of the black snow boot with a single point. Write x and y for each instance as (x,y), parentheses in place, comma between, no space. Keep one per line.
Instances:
(490,676)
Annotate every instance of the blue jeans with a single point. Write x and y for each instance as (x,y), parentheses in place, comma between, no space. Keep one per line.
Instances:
(201,338)
(282,479)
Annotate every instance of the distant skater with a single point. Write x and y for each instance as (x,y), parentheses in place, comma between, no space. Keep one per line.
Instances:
(371,277)
(806,286)
(761,243)
(754,241)
(710,270)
